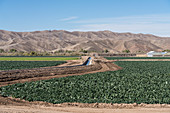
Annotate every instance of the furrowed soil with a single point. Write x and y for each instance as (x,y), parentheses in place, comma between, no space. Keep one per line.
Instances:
(14,105)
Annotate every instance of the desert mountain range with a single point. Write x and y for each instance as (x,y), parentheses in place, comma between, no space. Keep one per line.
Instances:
(92,41)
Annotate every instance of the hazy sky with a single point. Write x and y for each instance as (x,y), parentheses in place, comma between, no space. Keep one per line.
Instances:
(136,16)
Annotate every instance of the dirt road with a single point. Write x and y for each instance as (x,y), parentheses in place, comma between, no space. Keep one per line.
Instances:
(42,109)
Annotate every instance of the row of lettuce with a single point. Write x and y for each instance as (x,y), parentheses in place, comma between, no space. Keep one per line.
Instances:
(114,58)
(12,65)
(137,82)
(38,58)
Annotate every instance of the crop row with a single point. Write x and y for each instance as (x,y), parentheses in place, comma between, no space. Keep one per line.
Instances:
(11,65)
(138,82)
(113,58)
(37,58)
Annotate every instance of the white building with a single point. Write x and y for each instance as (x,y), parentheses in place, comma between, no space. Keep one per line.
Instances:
(156,54)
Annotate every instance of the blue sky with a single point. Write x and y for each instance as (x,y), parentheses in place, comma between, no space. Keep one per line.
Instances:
(136,16)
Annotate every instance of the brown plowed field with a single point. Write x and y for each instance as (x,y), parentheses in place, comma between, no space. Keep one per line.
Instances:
(6,76)
(11,105)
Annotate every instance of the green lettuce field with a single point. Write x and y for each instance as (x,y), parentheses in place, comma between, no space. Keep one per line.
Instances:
(12,65)
(37,58)
(113,58)
(138,82)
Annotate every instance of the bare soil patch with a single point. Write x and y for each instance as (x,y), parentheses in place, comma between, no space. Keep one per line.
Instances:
(43,109)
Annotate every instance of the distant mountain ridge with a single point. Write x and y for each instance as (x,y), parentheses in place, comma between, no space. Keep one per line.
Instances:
(92,41)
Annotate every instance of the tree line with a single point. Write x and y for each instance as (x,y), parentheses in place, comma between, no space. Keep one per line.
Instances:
(61,52)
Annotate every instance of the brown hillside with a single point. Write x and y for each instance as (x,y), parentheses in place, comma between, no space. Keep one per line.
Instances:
(93,41)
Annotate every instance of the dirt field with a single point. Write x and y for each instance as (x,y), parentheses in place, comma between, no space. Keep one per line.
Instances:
(42,109)
(11,105)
